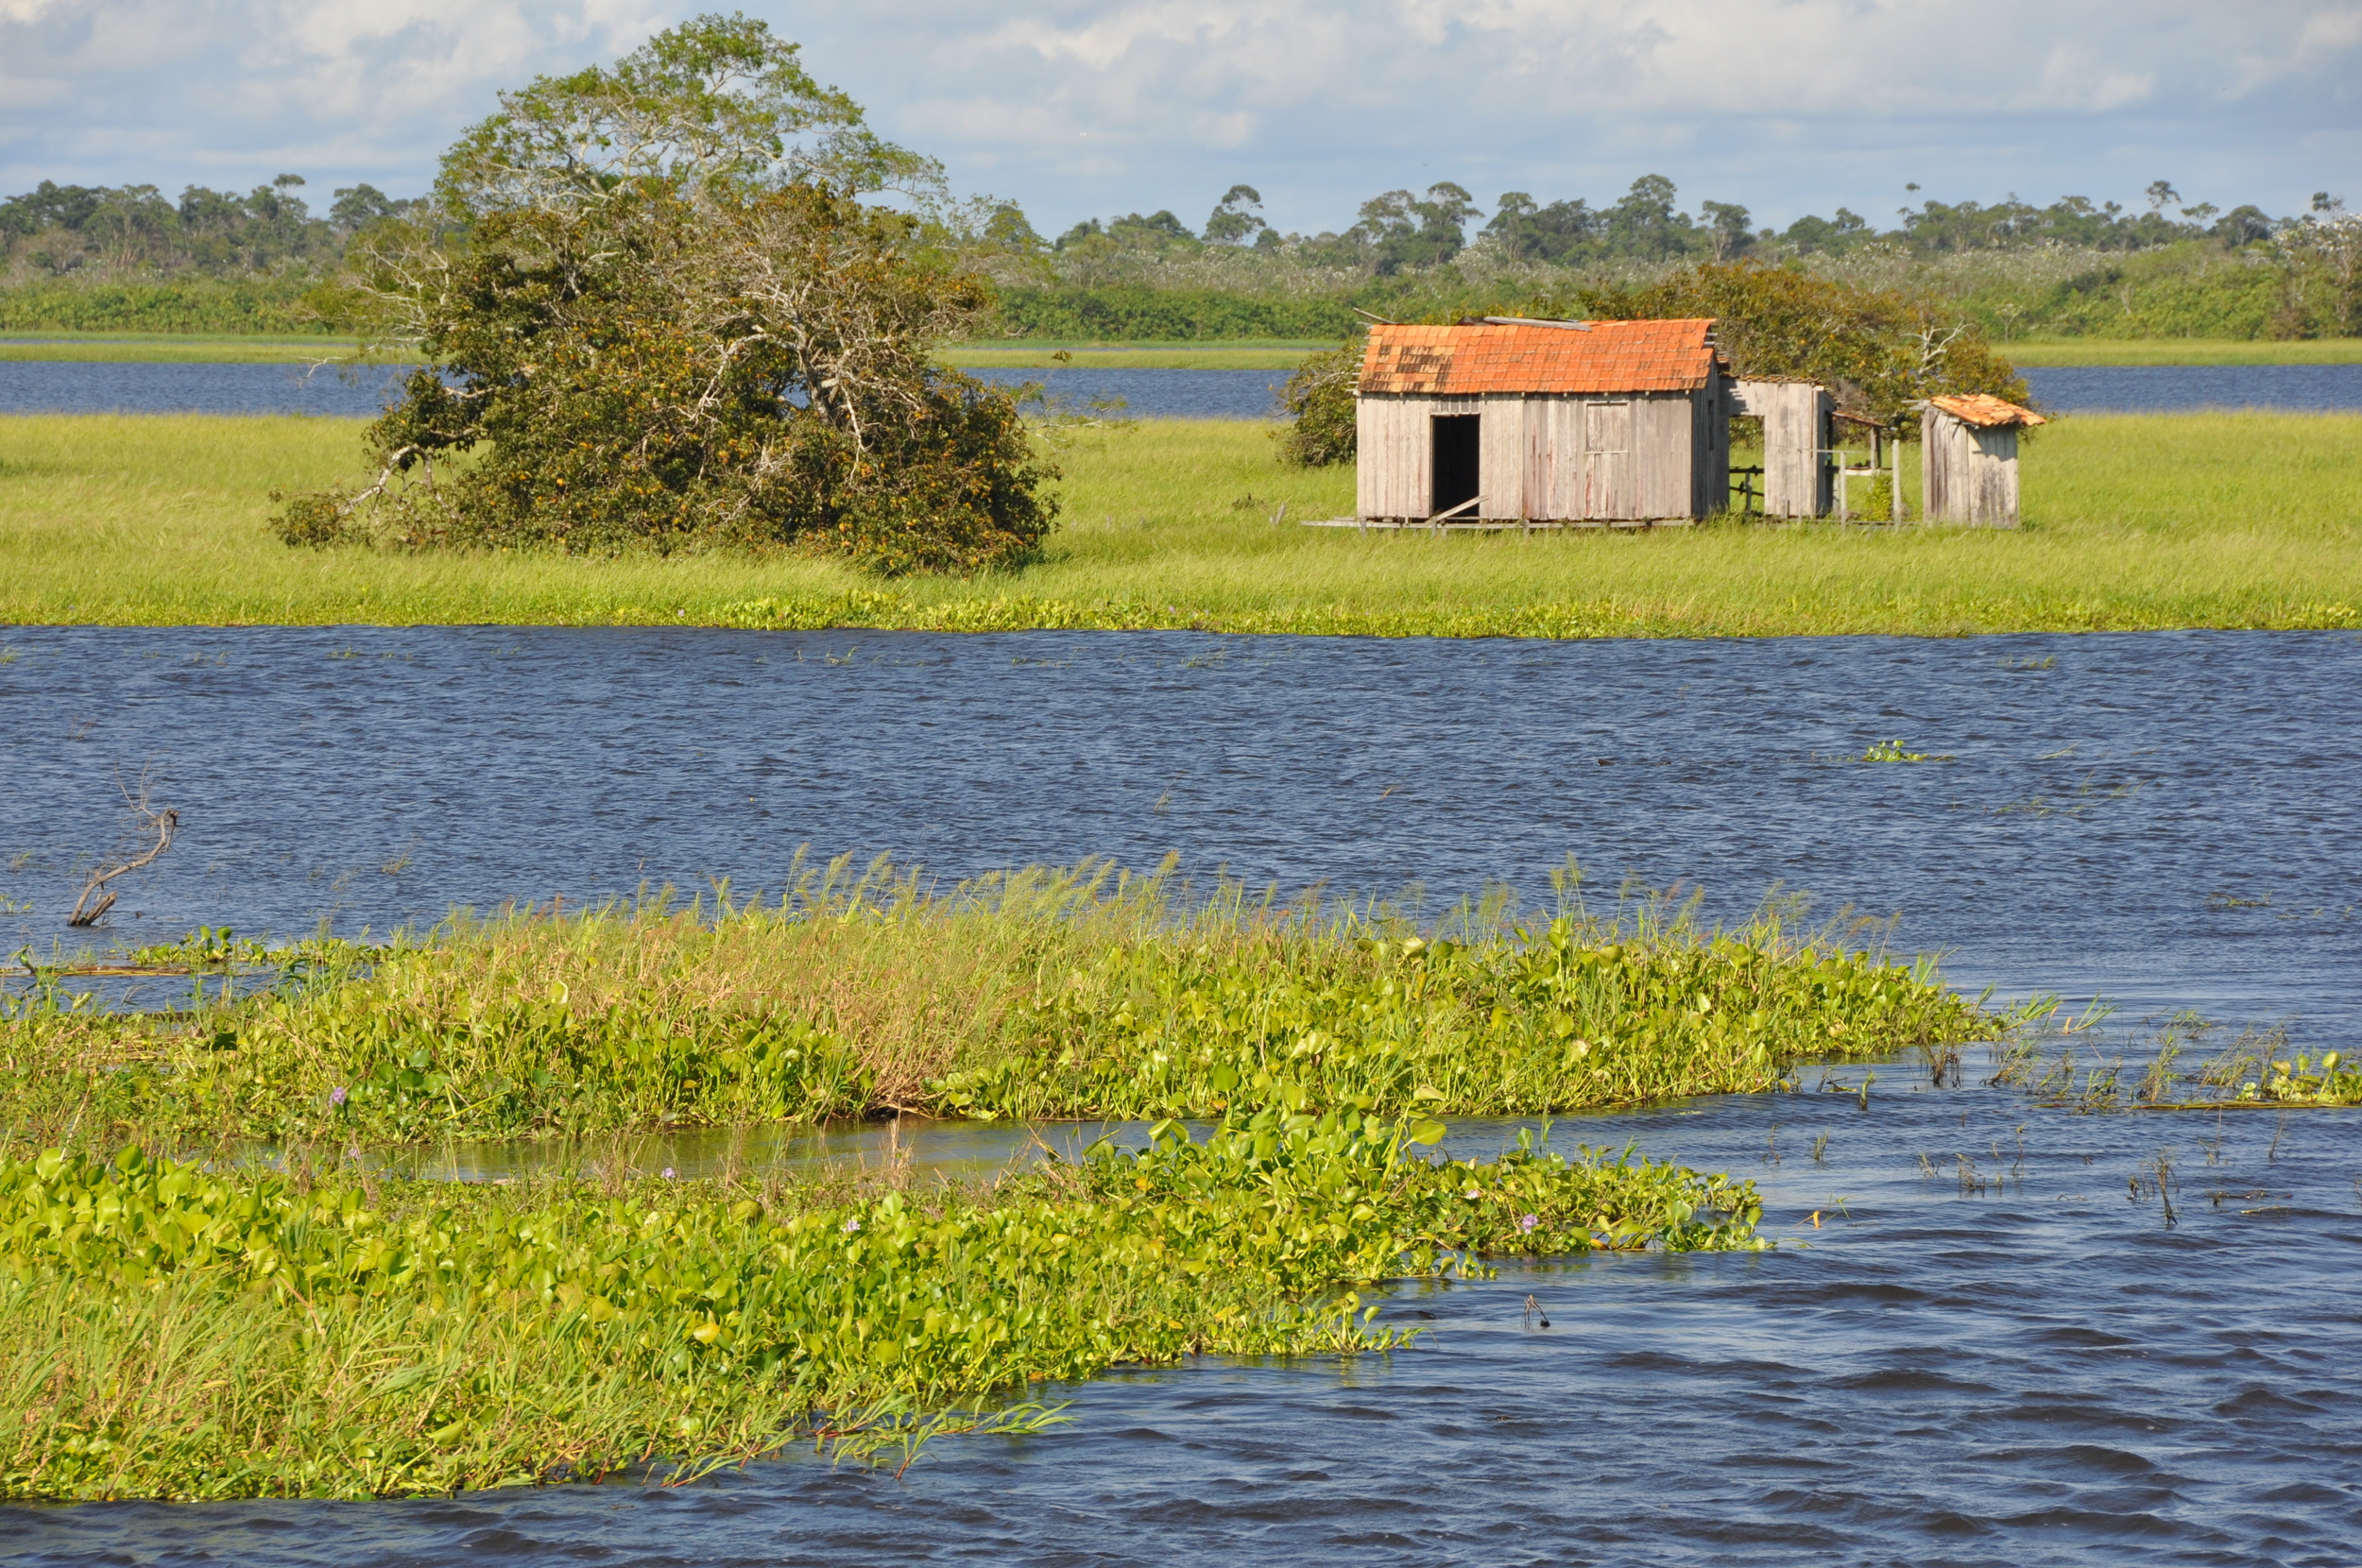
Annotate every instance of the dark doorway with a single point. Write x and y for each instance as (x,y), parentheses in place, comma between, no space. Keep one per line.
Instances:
(1455,461)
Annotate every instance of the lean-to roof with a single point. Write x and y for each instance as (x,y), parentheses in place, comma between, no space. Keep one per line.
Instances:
(1981,408)
(1609,357)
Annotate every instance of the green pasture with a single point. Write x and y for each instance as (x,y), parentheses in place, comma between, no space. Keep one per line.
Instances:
(2132,523)
(1035,354)
(2183,351)
(1043,354)
(265,348)
(176,348)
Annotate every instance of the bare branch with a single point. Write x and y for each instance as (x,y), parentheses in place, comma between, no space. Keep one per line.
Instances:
(162,825)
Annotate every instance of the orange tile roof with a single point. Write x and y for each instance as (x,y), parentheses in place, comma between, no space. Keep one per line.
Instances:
(1613,356)
(1980,408)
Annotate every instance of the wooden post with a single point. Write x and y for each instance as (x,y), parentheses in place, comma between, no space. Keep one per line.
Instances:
(1897,497)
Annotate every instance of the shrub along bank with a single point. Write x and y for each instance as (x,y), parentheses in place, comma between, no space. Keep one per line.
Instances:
(168,1332)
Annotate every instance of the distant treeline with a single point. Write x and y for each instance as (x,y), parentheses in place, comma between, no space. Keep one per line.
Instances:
(192,305)
(56,231)
(125,258)
(1141,312)
(1400,231)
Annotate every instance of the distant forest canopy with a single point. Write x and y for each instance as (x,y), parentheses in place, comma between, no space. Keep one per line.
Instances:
(124,258)
(54,230)
(98,258)
(1402,230)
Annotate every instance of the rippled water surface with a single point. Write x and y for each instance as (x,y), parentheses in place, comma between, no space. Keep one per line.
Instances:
(2171,818)
(2006,1362)
(1989,1349)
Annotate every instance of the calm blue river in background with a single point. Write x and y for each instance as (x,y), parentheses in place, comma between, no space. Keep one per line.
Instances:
(53,387)
(1996,1356)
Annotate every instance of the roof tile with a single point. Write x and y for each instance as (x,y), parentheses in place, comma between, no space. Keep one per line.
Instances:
(1979,408)
(1613,356)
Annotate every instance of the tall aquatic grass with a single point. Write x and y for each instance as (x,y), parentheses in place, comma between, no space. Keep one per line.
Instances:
(1084,991)
(165,1331)
(2135,522)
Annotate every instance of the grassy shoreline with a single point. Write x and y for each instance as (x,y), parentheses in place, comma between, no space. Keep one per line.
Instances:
(2135,522)
(156,349)
(2061,351)
(1244,354)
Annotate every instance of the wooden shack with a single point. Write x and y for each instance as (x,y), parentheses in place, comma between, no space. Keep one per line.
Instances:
(1506,422)
(1968,459)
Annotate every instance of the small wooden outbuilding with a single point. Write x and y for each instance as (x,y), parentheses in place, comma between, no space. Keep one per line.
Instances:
(1508,422)
(1968,458)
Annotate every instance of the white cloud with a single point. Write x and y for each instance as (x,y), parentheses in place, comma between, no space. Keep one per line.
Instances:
(1088,105)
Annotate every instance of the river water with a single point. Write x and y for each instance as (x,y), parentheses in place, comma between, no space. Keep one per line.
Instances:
(2171,818)
(2006,1362)
(48,387)
(2004,1355)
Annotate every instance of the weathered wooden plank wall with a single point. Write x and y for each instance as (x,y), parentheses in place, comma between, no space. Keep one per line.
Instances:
(1795,417)
(1395,450)
(1501,456)
(1968,473)
(1540,458)
(1710,450)
(1662,449)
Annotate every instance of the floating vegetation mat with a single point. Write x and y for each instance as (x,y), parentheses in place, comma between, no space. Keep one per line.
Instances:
(170,1332)
(207,1329)
(1079,993)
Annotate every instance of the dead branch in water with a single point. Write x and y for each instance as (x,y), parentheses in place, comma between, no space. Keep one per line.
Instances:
(161,825)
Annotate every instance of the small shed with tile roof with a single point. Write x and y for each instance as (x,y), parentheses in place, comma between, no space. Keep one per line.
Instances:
(1968,458)
(1506,421)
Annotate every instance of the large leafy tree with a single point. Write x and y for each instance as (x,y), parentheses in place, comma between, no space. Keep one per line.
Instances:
(1882,351)
(659,314)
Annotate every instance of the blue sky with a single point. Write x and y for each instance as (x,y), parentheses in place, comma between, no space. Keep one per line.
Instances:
(1078,107)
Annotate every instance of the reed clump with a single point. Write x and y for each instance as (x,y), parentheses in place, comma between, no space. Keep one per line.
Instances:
(2258,1070)
(166,1331)
(1084,991)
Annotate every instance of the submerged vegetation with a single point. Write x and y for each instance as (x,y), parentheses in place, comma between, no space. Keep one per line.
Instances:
(1035,994)
(2259,1069)
(213,1328)
(170,1332)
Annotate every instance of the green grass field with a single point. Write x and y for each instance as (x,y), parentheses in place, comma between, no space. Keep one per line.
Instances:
(2134,521)
(1033,355)
(2183,351)
(194,348)
(1030,354)
(157,348)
